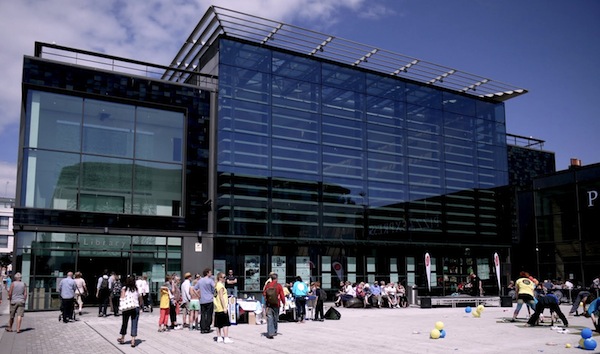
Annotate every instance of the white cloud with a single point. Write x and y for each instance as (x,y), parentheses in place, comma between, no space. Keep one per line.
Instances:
(8,179)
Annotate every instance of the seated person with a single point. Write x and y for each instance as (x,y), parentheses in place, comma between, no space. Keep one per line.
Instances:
(390,291)
(383,298)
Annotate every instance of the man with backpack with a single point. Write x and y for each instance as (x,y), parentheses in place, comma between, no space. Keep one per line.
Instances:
(103,293)
(274,298)
(115,293)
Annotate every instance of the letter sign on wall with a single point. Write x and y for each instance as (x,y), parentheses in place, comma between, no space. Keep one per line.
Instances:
(592,196)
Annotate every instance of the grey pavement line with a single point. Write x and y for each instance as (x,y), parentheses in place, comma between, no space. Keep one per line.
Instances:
(102,336)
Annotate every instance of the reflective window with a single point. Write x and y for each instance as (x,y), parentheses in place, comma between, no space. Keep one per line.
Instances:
(424,119)
(385,167)
(108,128)
(387,87)
(343,103)
(106,184)
(458,104)
(342,162)
(296,67)
(295,125)
(246,117)
(343,78)
(423,96)
(245,55)
(295,94)
(157,189)
(384,139)
(459,126)
(54,121)
(159,135)
(51,179)
(425,146)
(343,132)
(243,84)
(295,156)
(458,152)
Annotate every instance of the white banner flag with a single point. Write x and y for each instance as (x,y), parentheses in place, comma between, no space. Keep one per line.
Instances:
(428,270)
(497,265)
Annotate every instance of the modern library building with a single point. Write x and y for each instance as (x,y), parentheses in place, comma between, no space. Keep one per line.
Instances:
(262,147)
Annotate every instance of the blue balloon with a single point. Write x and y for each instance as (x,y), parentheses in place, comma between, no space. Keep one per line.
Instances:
(468,309)
(442,333)
(586,333)
(590,344)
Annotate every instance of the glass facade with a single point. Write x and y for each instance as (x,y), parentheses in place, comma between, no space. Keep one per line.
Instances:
(567,219)
(90,155)
(326,159)
(113,175)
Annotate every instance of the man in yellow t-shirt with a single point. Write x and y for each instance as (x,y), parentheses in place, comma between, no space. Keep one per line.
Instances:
(525,290)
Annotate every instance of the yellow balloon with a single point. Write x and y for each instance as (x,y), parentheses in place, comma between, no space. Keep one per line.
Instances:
(476,314)
(480,308)
(581,304)
(439,325)
(581,343)
(435,334)
(568,345)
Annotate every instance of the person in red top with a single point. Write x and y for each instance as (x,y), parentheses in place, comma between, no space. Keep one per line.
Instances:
(273,311)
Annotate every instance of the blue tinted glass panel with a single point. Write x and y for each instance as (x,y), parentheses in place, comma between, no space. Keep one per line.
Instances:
(500,134)
(490,178)
(386,168)
(490,111)
(384,139)
(343,132)
(106,184)
(459,104)
(423,96)
(425,146)
(244,84)
(245,117)
(250,151)
(108,128)
(51,179)
(385,111)
(53,121)
(295,94)
(424,119)
(425,173)
(157,189)
(294,124)
(459,152)
(245,55)
(295,156)
(386,87)
(459,177)
(459,126)
(159,135)
(492,156)
(296,67)
(386,194)
(485,131)
(342,162)
(225,148)
(343,103)
(344,78)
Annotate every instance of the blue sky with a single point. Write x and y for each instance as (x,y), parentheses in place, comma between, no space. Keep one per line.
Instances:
(549,47)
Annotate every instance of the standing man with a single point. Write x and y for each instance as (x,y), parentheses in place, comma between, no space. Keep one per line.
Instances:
(231,283)
(17,296)
(66,289)
(477,285)
(186,298)
(103,293)
(300,291)
(274,299)
(206,285)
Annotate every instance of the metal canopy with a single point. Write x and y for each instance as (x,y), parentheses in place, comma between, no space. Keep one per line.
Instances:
(220,21)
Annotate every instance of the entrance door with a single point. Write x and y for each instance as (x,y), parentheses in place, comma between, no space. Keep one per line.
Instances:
(92,266)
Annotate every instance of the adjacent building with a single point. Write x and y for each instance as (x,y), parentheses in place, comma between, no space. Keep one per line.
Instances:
(262,147)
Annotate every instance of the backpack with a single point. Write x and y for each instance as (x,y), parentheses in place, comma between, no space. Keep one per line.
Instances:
(272,298)
(104,284)
(116,290)
(322,295)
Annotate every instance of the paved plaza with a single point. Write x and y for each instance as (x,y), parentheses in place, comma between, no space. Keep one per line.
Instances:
(358,331)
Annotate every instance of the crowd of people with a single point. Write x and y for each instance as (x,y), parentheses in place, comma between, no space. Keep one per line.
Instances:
(379,294)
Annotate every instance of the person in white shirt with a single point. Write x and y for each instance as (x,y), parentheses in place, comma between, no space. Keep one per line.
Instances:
(186,298)
(142,284)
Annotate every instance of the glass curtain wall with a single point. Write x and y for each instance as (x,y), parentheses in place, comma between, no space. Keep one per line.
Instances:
(90,155)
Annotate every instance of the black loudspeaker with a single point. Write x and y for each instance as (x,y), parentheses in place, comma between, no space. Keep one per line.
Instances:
(505,301)
(332,314)
(425,302)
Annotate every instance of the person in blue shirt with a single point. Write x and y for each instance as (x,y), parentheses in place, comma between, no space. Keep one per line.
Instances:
(300,291)
(376,294)
(549,301)
(594,311)
(67,289)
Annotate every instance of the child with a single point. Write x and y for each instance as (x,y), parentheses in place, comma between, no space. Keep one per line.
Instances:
(194,306)
(165,304)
